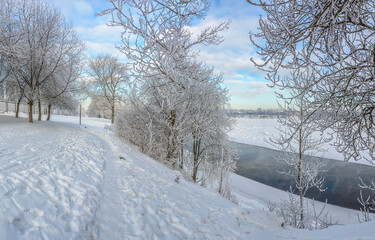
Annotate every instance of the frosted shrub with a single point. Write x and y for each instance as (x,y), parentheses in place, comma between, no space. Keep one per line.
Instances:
(313,219)
(129,125)
(368,204)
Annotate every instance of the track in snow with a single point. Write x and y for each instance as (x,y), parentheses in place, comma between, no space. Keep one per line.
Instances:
(50,181)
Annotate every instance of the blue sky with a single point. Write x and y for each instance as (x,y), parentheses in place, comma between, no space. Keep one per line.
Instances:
(245,82)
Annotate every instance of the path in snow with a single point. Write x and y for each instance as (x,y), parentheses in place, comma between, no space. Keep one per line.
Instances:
(154,206)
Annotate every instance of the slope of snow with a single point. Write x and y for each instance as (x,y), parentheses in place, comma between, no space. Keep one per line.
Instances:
(65,181)
(255,195)
(255,131)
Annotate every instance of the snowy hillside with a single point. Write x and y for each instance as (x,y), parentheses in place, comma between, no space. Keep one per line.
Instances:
(60,180)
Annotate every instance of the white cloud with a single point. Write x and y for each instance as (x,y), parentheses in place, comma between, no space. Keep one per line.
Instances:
(95,48)
(233,55)
(245,81)
(230,63)
(247,86)
(251,95)
(101,33)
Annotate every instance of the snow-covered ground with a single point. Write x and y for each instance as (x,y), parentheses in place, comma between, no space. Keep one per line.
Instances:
(255,195)
(59,180)
(97,124)
(255,131)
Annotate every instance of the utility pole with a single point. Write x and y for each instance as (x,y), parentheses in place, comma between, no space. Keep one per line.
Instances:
(80,114)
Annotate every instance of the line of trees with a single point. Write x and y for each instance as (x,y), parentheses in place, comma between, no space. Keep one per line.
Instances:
(176,103)
(40,54)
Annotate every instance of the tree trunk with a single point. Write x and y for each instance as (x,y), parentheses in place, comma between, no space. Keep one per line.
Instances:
(182,157)
(300,190)
(18,106)
(171,147)
(49,112)
(30,110)
(300,173)
(195,171)
(113,113)
(221,172)
(80,114)
(221,182)
(40,110)
(196,149)
(150,142)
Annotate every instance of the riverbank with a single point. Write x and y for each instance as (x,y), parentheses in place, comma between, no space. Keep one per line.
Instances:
(256,131)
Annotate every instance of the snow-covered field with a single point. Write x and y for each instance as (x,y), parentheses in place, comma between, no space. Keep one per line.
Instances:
(255,131)
(59,180)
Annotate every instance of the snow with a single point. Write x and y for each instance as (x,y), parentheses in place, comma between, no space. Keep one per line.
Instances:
(97,124)
(255,195)
(256,131)
(60,180)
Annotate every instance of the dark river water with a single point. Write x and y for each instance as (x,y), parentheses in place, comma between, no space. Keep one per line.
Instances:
(341,178)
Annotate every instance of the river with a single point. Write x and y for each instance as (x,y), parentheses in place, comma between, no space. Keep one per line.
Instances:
(341,178)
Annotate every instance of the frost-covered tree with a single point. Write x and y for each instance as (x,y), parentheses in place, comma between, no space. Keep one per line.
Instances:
(208,123)
(300,142)
(4,71)
(368,204)
(335,38)
(225,165)
(109,80)
(46,46)
(136,124)
(9,29)
(156,34)
(164,113)
(99,107)
(176,101)
(61,94)
(201,125)
(157,40)
(62,88)
(9,37)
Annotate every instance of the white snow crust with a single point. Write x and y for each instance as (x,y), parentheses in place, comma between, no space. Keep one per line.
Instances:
(59,180)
